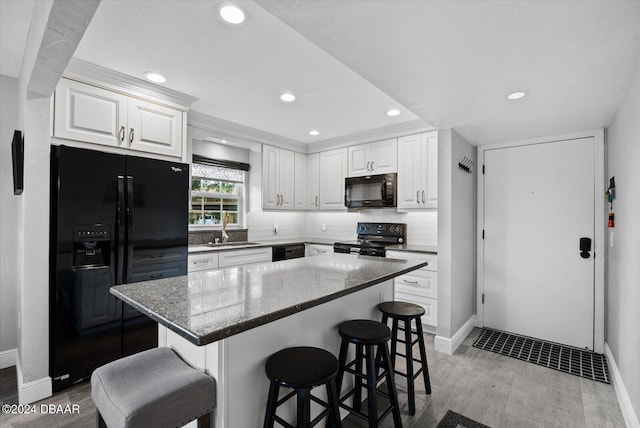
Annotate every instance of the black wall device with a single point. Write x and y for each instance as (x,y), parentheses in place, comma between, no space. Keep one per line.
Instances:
(17,154)
(585,248)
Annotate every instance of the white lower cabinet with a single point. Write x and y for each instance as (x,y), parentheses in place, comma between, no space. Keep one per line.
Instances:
(318,249)
(222,259)
(202,261)
(419,286)
(244,257)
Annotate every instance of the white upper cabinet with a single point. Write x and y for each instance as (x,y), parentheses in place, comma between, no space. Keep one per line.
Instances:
(277,178)
(333,170)
(154,128)
(307,182)
(90,114)
(313,182)
(418,171)
(86,113)
(301,181)
(373,158)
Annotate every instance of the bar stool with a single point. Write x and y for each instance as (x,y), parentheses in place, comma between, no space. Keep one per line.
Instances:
(302,368)
(407,312)
(368,336)
(154,388)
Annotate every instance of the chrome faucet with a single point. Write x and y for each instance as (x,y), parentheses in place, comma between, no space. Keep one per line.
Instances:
(225,237)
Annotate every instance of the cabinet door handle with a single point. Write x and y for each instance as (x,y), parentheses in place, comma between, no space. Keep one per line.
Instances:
(131,136)
(123,133)
(372,168)
(316,200)
(423,197)
(200,262)
(368,169)
(417,196)
(410,282)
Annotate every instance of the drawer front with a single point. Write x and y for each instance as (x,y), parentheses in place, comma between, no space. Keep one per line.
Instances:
(198,262)
(420,282)
(407,255)
(317,250)
(430,306)
(243,257)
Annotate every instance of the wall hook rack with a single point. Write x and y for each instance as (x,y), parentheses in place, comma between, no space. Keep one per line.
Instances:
(466,164)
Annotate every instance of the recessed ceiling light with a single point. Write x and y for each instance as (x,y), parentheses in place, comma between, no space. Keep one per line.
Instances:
(232,14)
(224,141)
(314,132)
(516,95)
(287,97)
(155,77)
(393,112)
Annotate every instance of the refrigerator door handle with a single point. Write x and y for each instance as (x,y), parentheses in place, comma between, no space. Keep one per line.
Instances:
(129,263)
(120,231)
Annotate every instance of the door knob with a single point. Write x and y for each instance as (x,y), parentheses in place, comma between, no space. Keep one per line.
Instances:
(585,248)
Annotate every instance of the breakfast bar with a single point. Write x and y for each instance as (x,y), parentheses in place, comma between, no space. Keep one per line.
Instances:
(228,321)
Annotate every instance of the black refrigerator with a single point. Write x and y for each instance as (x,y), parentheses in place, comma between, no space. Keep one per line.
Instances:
(115,219)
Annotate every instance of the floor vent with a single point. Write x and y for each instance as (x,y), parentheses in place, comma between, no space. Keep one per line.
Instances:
(568,359)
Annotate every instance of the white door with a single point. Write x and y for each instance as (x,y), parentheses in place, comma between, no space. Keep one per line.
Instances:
(154,128)
(333,167)
(384,156)
(410,165)
(286,179)
(87,113)
(538,203)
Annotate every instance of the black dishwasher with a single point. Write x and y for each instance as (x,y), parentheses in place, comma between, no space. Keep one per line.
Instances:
(286,252)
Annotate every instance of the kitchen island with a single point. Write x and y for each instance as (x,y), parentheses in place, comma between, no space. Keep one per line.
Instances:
(229,321)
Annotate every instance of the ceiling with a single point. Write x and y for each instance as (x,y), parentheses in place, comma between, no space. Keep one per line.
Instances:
(449,64)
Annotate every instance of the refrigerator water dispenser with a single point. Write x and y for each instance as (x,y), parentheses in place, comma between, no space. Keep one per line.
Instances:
(91,246)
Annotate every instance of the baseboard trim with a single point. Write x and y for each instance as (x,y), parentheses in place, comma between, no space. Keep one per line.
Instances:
(628,413)
(449,345)
(7,358)
(33,391)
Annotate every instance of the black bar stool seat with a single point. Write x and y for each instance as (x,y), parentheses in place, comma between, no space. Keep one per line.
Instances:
(371,340)
(407,312)
(301,369)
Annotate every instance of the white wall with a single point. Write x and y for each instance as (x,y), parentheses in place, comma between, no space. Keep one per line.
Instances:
(623,278)
(456,234)
(8,215)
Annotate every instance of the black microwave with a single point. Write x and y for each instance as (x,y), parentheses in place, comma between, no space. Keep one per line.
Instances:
(370,191)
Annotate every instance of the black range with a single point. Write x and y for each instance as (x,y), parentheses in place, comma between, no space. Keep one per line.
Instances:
(373,238)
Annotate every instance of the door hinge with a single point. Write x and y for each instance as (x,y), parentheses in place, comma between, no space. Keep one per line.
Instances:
(482,233)
(483,298)
(482,169)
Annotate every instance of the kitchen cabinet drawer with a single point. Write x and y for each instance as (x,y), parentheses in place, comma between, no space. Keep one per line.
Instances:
(207,261)
(243,257)
(407,255)
(318,250)
(420,282)
(430,306)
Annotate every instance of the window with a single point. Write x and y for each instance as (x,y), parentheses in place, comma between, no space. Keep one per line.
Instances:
(216,191)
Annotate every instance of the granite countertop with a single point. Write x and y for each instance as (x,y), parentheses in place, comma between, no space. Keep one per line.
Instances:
(207,306)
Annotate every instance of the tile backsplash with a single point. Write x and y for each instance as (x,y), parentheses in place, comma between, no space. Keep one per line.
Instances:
(422,227)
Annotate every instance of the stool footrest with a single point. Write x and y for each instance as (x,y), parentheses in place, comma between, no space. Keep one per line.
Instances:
(285,398)
(282,422)
(366,417)
(415,375)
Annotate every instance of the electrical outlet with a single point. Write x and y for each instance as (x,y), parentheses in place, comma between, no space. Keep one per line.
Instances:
(275,228)
(324,227)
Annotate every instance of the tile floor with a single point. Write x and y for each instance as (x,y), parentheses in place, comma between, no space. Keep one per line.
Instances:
(495,390)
